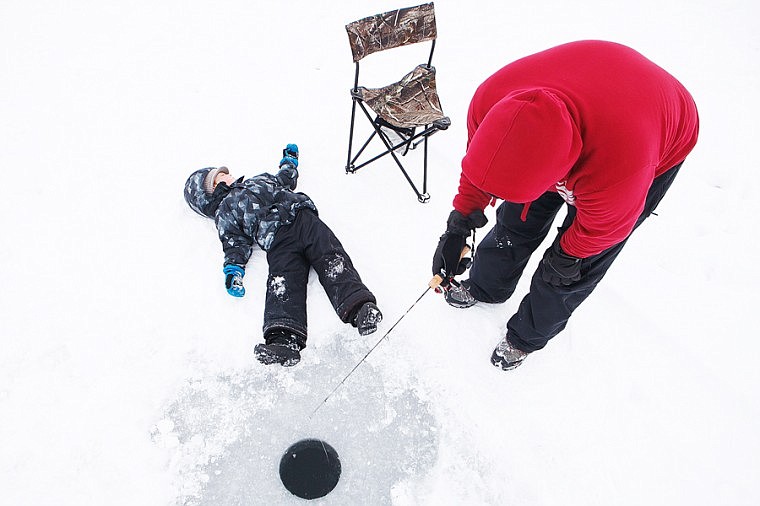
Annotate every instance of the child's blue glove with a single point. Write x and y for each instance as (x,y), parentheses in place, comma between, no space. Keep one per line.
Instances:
(290,150)
(234,280)
(290,155)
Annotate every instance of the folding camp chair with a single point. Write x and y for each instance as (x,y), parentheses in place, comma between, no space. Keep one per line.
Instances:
(408,111)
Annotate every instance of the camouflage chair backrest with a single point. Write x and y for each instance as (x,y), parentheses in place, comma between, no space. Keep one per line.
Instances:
(391,29)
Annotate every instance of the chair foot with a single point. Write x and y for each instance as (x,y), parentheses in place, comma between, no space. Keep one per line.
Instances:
(423,198)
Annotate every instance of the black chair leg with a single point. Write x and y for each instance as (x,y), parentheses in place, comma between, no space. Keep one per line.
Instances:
(354,168)
(425,167)
(349,163)
(390,148)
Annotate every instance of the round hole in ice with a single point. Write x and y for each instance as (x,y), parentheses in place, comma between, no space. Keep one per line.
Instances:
(310,469)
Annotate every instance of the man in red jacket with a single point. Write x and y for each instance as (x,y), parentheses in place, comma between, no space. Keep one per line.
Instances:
(591,124)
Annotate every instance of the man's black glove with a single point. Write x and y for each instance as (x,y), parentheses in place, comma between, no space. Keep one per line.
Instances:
(464,225)
(558,268)
(447,261)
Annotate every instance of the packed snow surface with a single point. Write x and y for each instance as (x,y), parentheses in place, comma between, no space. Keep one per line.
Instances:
(127,374)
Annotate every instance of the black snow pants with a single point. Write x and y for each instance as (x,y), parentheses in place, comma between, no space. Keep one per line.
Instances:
(504,252)
(305,243)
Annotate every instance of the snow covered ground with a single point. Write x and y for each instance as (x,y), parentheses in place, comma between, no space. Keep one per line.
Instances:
(126,371)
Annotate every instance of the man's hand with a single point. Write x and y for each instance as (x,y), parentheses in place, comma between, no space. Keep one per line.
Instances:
(447,260)
(558,268)
(233,280)
(464,225)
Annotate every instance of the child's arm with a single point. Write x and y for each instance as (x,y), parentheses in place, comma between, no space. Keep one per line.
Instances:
(237,251)
(237,247)
(288,173)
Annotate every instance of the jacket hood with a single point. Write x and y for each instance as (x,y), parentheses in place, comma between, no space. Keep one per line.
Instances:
(197,195)
(526,143)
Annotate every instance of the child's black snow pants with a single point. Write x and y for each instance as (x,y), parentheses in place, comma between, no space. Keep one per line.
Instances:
(504,252)
(306,243)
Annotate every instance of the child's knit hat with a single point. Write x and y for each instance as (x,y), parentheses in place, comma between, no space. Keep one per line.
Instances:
(208,182)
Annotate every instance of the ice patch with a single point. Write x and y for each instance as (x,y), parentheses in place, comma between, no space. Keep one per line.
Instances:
(226,434)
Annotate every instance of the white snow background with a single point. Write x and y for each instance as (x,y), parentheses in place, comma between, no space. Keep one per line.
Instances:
(126,372)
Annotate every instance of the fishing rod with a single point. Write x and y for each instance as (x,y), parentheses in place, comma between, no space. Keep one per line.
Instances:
(433,284)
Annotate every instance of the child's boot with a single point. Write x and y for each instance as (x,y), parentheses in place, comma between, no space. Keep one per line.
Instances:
(281,347)
(367,318)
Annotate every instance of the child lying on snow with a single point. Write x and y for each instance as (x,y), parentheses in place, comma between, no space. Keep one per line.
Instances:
(264,209)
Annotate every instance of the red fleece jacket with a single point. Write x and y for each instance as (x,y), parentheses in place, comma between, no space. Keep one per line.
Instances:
(595,121)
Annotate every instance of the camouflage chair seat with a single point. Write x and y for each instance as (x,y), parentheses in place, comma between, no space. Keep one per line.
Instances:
(411,102)
(408,111)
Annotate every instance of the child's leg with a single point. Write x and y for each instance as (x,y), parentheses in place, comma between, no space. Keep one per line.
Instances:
(285,304)
(336,272)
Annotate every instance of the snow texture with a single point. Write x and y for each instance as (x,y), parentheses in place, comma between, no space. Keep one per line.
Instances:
(126,371)
(335,267)
(278,287)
